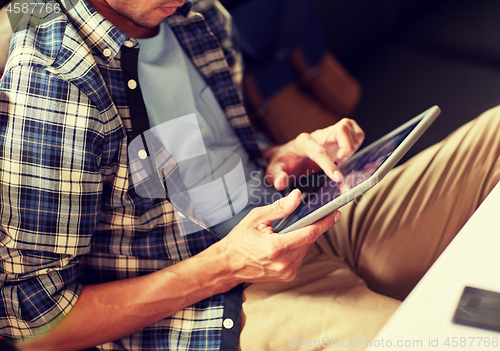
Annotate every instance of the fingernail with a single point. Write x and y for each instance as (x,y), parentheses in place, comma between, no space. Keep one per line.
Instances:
(293,191)
(337,176)
(291,196)
(337,216)
(279,183)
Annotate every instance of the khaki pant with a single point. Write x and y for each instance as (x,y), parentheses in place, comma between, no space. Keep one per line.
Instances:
(354,277)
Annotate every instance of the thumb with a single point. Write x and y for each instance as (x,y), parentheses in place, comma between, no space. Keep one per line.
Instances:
(279,209)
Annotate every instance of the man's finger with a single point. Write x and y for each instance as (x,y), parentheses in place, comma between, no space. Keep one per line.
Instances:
(310,147)
(278,209)
(359,134)
(323,160)
(347,145)
(279,177)
(309,234)
(356,134)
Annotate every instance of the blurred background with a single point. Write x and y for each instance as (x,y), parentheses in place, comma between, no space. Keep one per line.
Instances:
(400,57)
(381,62)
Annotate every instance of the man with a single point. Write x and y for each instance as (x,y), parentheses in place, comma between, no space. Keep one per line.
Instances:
(85,194)
(86,261)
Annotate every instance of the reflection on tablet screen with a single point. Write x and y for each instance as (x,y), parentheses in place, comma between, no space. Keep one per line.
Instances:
(356,170)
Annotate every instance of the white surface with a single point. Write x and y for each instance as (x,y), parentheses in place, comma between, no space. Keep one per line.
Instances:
(471,259)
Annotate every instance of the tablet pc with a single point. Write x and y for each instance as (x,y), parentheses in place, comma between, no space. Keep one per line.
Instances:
(361,172)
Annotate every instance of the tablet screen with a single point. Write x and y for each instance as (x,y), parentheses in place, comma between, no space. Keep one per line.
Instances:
(356,170)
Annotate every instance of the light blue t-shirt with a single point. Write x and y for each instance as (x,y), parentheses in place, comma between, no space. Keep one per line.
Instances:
(169,95)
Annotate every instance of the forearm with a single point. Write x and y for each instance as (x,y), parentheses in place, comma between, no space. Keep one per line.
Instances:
(251,252)
(109,311)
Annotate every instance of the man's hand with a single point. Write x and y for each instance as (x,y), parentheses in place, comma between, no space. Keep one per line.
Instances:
(256,254)
(251,252)
(319,150)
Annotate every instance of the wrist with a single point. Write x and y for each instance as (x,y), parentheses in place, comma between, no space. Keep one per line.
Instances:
(217,266)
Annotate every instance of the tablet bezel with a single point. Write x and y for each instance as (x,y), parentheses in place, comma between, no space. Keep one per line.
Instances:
(423,121)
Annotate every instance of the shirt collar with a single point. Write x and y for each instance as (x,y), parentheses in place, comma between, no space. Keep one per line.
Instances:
(101,35)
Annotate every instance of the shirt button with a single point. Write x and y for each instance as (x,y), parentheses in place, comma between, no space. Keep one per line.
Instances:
(132,84)
(228,323)
(128,43)
(107,52)
(142,154)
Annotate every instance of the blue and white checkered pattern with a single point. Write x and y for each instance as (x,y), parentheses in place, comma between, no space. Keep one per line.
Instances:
(69,213)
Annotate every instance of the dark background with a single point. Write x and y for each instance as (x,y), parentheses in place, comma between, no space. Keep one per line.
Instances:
(407,54)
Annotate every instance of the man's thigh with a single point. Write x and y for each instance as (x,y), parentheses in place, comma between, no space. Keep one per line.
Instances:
(395,233)
(326,304)
(388,239)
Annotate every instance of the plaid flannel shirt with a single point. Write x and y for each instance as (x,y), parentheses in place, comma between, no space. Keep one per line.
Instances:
(69,213)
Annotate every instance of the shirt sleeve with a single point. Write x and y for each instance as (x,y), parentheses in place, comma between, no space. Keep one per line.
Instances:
(222,26)
(50,195)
